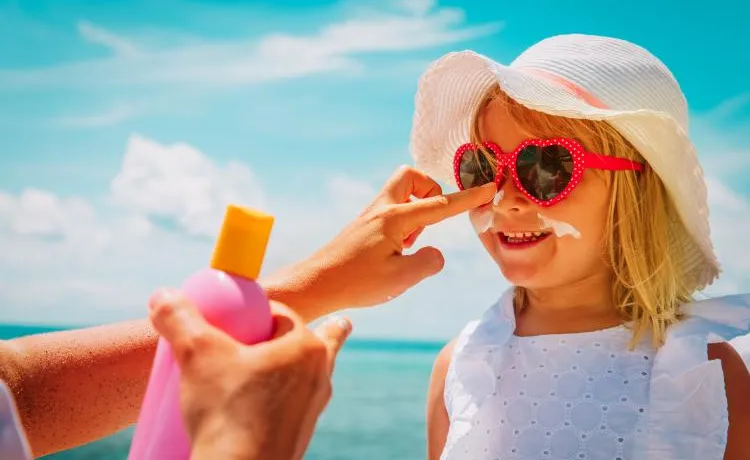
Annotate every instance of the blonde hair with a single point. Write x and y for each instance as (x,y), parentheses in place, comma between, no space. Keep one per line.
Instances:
(648,279)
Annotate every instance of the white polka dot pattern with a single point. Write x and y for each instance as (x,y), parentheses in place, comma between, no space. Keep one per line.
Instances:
(573,396)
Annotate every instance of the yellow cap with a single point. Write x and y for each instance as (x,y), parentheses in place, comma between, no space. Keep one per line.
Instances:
(242,242)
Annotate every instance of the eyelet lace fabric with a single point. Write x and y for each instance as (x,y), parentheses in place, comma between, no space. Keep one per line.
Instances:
(585,395)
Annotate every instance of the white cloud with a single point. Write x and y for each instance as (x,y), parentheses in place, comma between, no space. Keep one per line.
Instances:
(726,160)
(729,107)
(719,135)
(179,183)
(65,260)
(335,47)
(417,7)
(100,36)
(730,219)
(382,32)
(109,117)
(352,195)
(40,213)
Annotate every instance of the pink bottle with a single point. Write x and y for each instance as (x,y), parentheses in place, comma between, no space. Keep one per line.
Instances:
(230,299)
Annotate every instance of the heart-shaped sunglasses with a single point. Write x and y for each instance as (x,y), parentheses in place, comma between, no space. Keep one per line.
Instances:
(545,170)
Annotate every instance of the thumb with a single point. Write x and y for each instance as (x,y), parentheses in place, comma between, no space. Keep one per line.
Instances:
(179,322)
(426,262)
(334,332)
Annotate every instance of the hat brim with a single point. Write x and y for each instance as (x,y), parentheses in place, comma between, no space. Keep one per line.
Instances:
(452,88)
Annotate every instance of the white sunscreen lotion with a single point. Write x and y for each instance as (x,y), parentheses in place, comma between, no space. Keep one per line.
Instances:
(498,197)
(560,228)
(482,219)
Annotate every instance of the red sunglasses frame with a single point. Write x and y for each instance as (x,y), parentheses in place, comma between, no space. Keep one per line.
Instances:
(582,160)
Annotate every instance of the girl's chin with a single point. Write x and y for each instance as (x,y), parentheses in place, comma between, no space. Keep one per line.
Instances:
(518,272)
(521,277)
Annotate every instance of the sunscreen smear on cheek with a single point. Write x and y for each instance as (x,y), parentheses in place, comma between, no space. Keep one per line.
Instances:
(498,197)
(482,219)
(560,228)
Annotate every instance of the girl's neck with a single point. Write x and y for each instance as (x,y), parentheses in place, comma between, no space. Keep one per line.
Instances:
(583,306)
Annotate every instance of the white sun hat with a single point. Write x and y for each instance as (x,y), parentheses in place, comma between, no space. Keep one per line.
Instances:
(585,77)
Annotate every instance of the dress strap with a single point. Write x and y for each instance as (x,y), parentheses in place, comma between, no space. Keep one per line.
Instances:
(688,416)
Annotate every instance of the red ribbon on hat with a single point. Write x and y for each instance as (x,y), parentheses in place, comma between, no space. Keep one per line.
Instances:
(576,90)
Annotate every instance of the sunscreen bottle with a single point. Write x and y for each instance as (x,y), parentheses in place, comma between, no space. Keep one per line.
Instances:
(228,296)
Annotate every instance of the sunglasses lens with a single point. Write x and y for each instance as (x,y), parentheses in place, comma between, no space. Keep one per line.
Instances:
(544,172)
(475,169)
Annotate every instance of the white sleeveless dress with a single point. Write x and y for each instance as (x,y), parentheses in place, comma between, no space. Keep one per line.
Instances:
(585,396)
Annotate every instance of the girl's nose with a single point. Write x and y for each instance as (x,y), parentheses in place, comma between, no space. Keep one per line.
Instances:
(509,198)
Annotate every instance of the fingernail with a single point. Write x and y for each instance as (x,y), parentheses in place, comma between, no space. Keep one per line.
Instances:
(341,321)
(161,296)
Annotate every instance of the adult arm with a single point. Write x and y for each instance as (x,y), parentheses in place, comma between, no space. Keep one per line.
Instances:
(437,415)
(737,383)
(74,387)
(77,386)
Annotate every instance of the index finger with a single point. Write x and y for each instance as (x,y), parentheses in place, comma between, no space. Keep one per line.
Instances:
(408,181)
(435,209)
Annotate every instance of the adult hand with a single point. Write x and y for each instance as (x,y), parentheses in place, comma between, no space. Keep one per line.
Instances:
(249,402)
(365,264)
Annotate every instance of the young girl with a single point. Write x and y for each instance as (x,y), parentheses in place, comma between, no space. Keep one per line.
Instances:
(600,223)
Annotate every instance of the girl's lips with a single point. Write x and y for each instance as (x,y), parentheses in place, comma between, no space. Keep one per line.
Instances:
(509,242)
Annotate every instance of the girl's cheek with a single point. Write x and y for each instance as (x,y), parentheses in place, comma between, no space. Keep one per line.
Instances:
(482,219)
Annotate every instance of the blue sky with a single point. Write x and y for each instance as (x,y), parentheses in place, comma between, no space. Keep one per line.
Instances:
(126,126)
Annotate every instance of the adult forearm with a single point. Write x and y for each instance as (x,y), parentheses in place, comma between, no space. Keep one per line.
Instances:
(306,288)
(73,387)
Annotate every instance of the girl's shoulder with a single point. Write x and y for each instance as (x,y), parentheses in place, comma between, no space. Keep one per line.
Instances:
(443,360)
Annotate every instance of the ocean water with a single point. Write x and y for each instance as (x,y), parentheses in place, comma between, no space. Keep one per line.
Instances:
(377,410)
